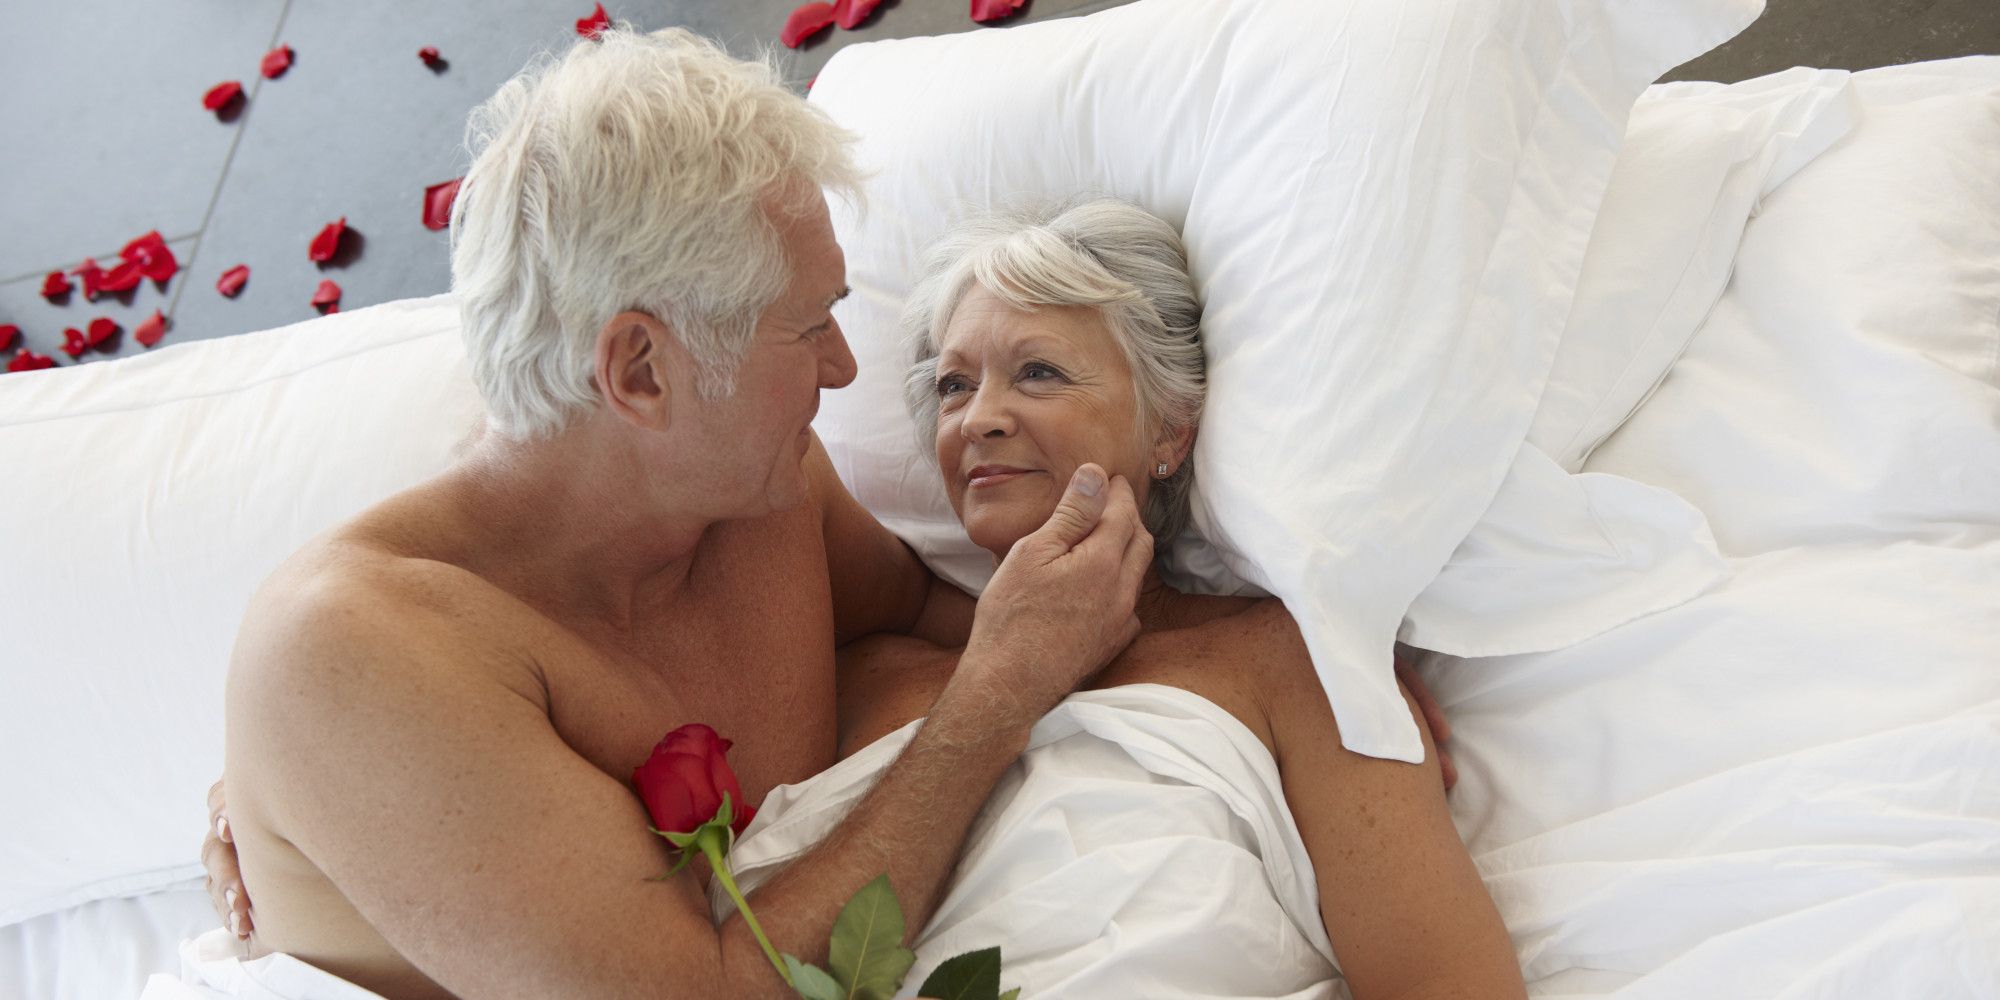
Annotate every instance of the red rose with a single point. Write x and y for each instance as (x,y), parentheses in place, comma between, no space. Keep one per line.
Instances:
(684,780)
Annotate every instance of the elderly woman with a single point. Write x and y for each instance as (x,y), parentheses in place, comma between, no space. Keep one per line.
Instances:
(1190,825)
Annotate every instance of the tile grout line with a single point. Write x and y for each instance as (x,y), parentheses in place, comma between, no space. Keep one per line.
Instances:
(229,161)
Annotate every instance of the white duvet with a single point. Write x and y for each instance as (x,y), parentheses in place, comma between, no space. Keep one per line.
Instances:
(1763,793)
(1141,847)
(1789,786)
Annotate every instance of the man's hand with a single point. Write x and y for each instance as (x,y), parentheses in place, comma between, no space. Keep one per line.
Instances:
(1432,715)
(1061,604)
(225,879)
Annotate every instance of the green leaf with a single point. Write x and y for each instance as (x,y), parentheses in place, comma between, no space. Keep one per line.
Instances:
(680,840)
(974,975)
(811,981)
(1013,994)
(867,953)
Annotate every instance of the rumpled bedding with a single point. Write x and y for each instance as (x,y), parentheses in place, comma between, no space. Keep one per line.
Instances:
(211,969)
(1141,847)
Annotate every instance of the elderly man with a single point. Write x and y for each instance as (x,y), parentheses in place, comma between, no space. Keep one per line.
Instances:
(434,708)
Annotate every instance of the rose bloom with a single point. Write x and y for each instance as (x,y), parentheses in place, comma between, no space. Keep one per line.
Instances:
(683,782)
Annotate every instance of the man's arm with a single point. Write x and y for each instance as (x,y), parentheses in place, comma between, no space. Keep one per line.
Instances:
(424,778)
(879,585)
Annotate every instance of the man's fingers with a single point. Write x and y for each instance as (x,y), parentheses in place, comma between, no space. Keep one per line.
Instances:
(1434,718)
(1138,559)
(1078,512)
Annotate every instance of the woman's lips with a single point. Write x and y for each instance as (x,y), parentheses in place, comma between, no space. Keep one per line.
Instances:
(984,476)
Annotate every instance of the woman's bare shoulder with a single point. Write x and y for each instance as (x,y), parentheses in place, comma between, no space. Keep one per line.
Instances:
(1253,632)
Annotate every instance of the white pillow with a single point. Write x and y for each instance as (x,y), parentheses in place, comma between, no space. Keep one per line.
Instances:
(1557,559)
(1385,205)
(1846,388)
(1698,157)
(148,497)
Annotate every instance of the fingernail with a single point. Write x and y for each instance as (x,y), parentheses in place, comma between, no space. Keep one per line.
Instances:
(1089,480)
(236,924)
(222,827)
(229,898)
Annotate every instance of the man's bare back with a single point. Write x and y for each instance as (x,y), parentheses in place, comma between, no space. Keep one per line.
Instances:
(743,643)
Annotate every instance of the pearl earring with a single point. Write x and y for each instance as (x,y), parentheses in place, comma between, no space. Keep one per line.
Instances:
(1160,470)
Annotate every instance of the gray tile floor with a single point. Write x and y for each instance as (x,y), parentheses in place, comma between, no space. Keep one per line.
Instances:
(108,139)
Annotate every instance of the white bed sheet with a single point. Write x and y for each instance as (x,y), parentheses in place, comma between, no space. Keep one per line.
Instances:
(102,950)
(1787,787)
(1790,786)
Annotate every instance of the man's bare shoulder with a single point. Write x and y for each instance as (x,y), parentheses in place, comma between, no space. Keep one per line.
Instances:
(343,609)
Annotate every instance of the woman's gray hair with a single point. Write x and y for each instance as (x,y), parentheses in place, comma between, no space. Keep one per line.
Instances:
(1115,257)
(633,172)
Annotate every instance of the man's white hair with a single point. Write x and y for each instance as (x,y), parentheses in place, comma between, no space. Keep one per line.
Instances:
(1128,264)
(634,172)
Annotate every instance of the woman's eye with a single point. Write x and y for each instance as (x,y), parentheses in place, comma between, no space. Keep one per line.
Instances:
(950,384)
(1038,371)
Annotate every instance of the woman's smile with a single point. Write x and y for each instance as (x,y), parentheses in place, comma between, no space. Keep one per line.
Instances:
(983,476)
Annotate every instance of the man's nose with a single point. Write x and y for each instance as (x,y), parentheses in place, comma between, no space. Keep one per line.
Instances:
(837,367)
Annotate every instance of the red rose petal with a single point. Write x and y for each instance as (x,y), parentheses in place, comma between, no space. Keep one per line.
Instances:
(151,254)
(150,330)
(27,361)
(850,13)
(276,62)
(93,278)
(429,54)
(100,330)
(808,20)
(122,278)
(55,286)
(594,25)
(326,298)
(219,96)
(74,343)
(327,243)
(7,334)
(994,10)
(233,280)
(437,203)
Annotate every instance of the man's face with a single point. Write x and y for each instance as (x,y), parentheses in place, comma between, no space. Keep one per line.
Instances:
(762,432)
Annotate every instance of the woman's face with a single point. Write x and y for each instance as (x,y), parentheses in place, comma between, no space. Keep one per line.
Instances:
(1024,398)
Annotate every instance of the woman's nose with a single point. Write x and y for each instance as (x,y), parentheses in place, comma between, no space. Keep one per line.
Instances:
(986,413)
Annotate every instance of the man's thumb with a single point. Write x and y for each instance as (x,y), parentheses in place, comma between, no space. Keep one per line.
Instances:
(1082,504)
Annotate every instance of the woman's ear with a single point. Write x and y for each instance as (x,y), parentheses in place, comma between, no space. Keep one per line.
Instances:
(1173,447)
(634,354)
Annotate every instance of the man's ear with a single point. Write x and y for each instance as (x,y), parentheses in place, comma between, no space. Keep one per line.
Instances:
(633,358)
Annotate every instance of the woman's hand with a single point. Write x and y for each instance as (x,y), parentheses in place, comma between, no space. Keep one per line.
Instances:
(225,879)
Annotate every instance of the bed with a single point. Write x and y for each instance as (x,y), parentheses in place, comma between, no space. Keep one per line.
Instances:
(1779,777)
